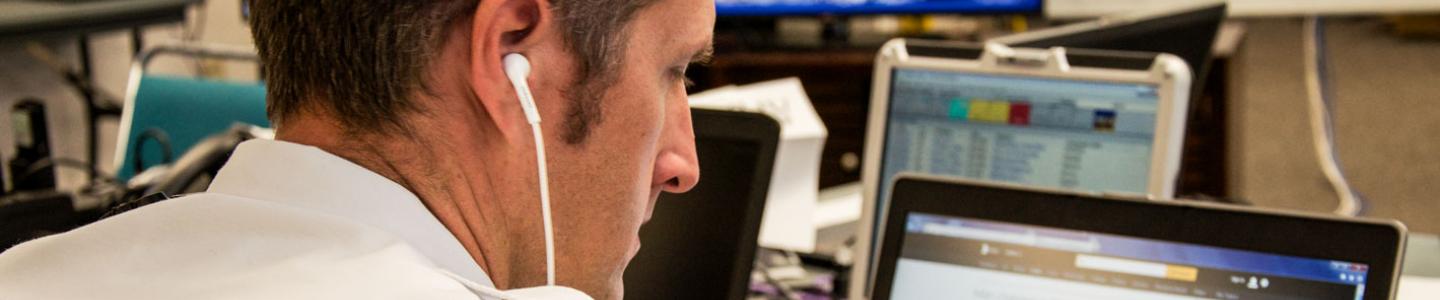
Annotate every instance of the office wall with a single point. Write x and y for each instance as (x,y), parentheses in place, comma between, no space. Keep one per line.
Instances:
(1387,119)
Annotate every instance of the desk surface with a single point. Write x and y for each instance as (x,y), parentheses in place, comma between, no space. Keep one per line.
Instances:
(1420,278)
(28,19)
(1422,255)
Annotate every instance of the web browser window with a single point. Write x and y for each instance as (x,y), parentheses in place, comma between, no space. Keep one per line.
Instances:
(1084,135)
(978,259)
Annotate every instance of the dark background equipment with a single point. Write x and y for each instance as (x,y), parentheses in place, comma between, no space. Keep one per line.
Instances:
(29,215)
(702,244)
(33,167)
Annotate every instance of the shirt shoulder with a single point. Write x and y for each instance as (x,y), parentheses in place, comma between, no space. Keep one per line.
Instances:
(213,246)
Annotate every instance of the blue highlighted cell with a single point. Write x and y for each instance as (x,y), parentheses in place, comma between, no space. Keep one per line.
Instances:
(959,109)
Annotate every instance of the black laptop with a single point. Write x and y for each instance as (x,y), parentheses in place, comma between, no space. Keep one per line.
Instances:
(701,244)
(954,239)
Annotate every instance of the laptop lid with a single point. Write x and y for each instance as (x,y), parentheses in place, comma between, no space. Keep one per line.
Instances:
(1068,118)
(1001,241)
(701,244)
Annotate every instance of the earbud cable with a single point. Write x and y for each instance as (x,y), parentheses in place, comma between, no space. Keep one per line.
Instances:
(545,204)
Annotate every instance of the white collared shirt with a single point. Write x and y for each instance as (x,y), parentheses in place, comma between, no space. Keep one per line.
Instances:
(280,221)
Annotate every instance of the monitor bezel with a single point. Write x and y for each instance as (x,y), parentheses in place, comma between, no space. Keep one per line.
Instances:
(1377,243)
(1167,72)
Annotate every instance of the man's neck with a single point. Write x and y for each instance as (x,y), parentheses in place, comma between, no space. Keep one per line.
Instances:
(452,184)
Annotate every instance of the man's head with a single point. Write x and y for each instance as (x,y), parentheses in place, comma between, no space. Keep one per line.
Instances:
(384,48)
(415,90)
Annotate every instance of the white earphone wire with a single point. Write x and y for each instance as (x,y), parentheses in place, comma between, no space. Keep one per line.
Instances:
(545,204)
(517,69)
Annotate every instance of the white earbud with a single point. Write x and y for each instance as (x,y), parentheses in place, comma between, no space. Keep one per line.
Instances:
(517,68)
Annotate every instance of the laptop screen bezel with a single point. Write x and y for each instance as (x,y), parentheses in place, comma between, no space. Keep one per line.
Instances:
(1378,244)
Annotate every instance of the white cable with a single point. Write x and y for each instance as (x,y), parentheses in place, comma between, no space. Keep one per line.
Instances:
(545,204)
(1320,123)
(517,69)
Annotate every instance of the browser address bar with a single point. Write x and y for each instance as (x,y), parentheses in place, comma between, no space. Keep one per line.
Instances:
(1027,239)
(1136,267)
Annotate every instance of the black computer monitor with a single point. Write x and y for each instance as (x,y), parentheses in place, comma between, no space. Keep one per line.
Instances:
(1185,30)
(701,244)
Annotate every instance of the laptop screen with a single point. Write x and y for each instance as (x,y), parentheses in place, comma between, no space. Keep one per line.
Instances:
(1084,135)
(979,259)
(1056,133)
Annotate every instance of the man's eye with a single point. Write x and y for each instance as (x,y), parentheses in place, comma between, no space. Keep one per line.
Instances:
(679,73)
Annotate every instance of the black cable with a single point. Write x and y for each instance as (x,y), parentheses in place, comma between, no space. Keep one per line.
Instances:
(47,162)
(167,152)
(123,206)
(785,291)
(96,101)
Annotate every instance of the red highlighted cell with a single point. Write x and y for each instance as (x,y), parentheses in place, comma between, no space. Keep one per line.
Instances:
(1020,113)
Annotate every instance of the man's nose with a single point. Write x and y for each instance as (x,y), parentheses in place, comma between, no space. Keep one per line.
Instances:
(677,169)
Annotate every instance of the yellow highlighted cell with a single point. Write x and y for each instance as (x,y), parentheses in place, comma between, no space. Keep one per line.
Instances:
(982,110)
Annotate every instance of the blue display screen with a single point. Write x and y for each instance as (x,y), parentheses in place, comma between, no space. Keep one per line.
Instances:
(980,257)
(1072,134)
(815,7)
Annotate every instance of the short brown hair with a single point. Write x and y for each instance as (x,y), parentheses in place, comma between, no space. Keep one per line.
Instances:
(362,60)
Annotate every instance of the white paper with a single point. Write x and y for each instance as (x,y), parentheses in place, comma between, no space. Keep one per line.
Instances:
(1418,288)
(838,205)
(790,206)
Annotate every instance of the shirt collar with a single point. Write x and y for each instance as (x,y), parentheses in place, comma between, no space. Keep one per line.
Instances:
(313,179)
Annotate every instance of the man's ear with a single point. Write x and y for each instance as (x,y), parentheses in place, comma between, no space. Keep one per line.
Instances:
(502,27)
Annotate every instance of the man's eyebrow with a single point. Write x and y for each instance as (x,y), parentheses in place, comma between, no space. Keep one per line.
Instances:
(703,56)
